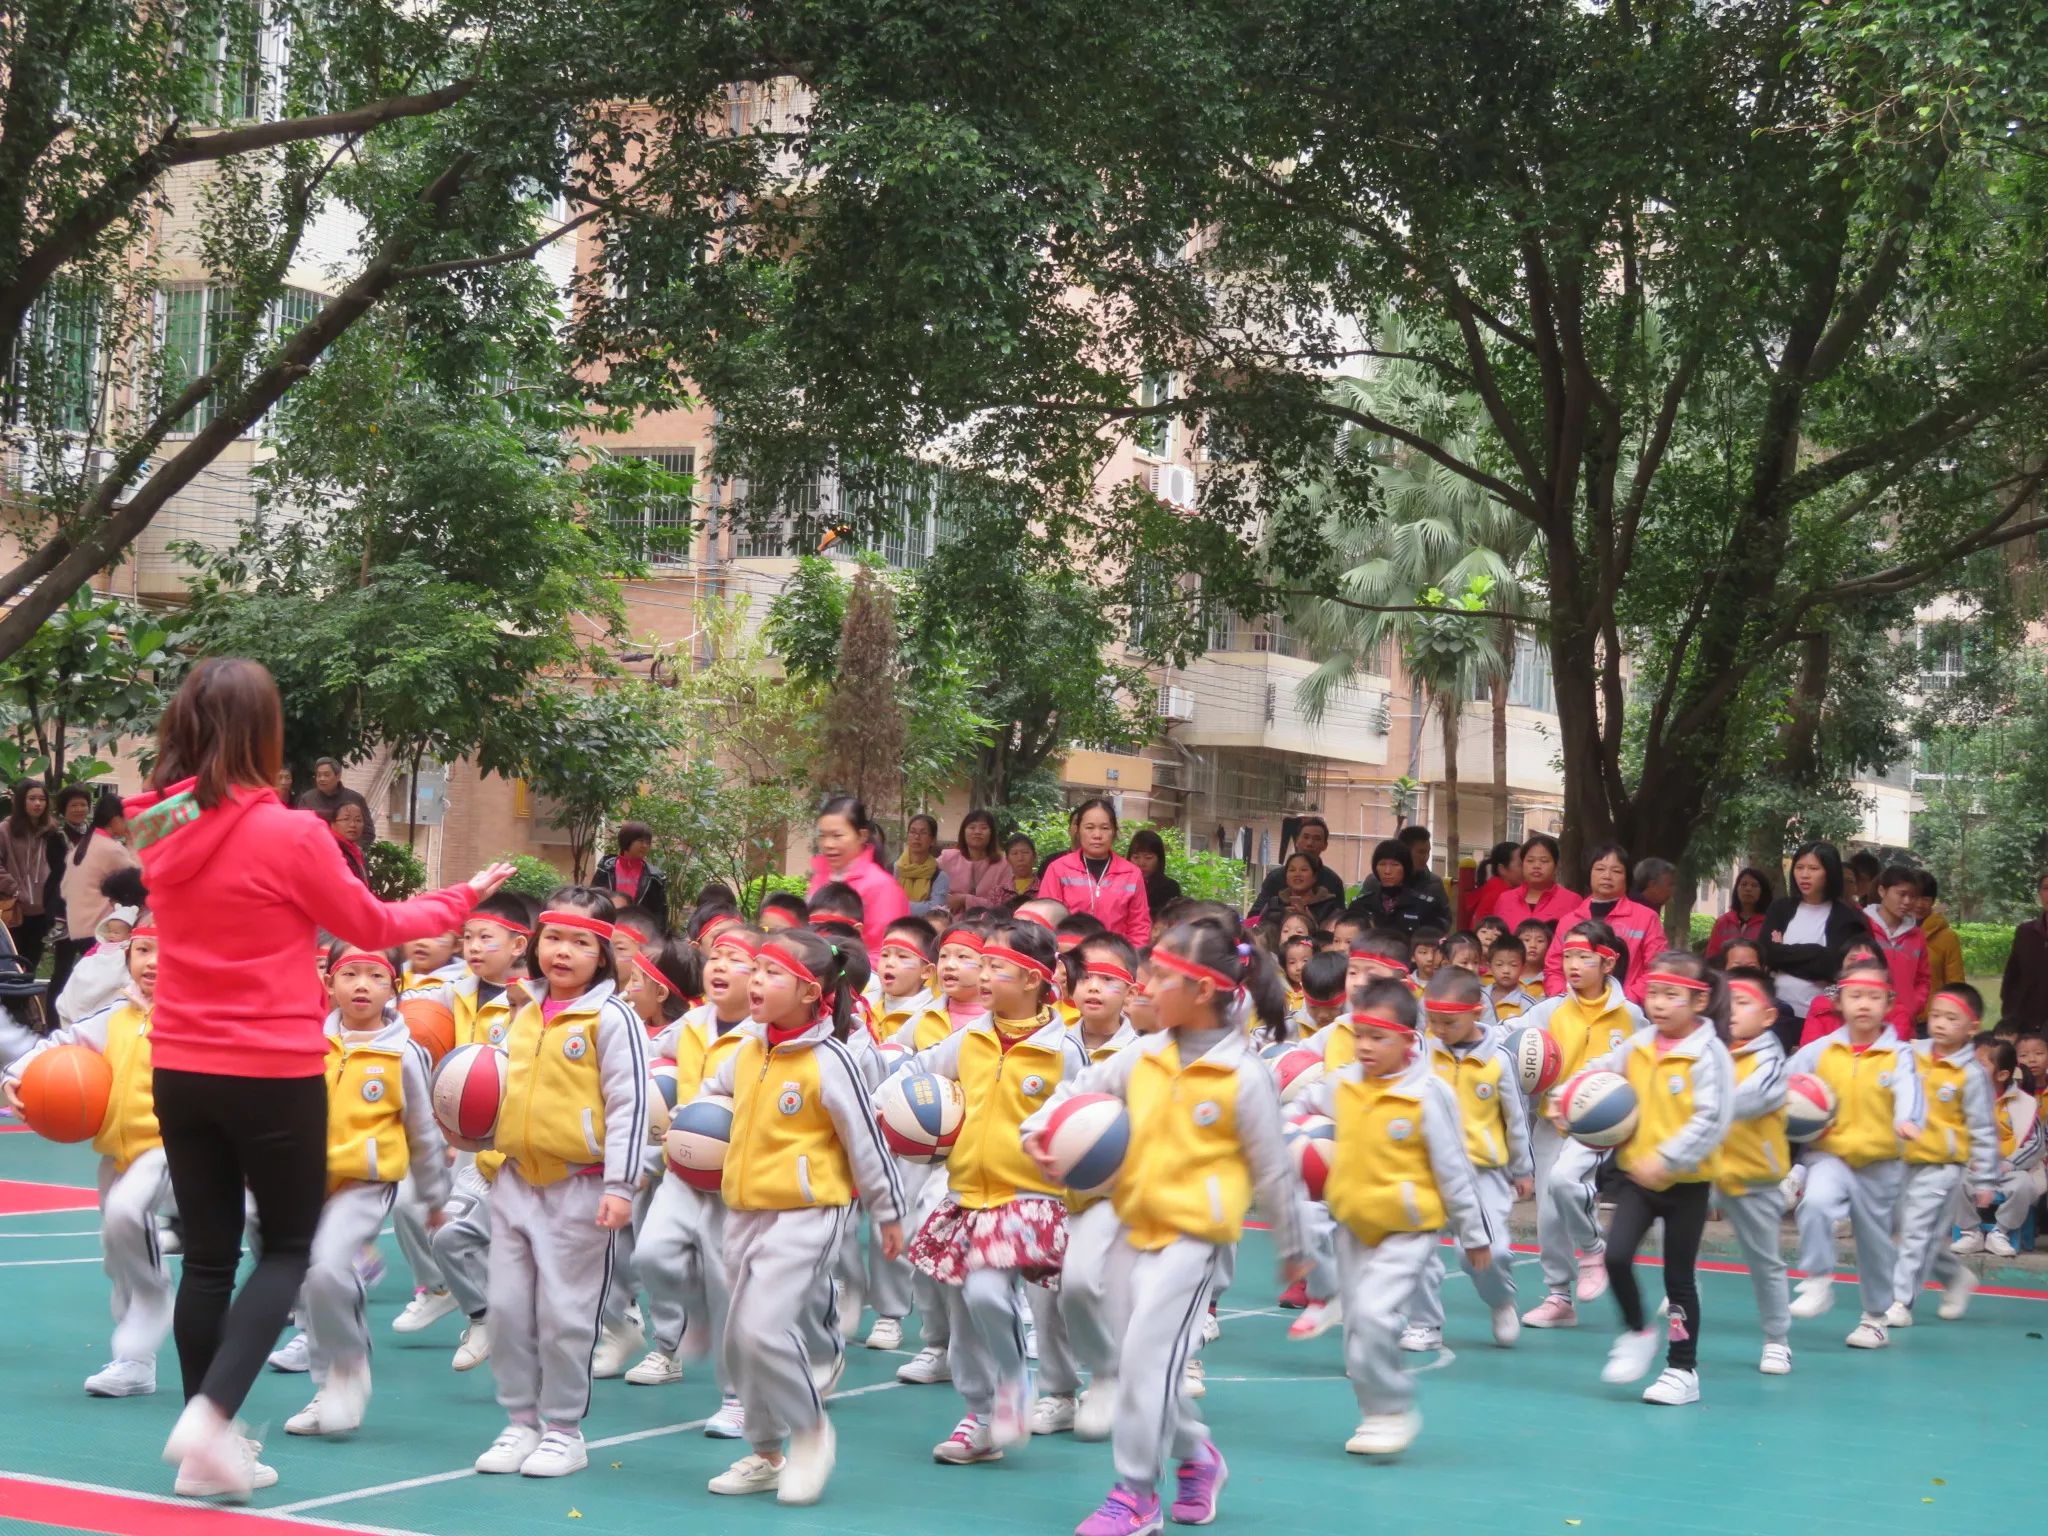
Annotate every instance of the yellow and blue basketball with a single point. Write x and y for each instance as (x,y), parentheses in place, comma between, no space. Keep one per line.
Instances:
(920,1115)
(1599,1108)
(1086,1138)
(698,1135)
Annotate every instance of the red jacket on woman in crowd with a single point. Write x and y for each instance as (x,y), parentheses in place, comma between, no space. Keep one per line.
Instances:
(881,899)
(1640,930)
(1118,898)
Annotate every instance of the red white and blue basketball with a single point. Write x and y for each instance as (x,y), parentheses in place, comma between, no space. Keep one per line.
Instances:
(468,1088)
(698,1135)
(661,1104)
(1537,1058)
(1312,1144)
(1296,1072)
(1599,1108)
(1809,1108)
(893,1053)
(1086,1138)
(1277,1049)
(920,1115)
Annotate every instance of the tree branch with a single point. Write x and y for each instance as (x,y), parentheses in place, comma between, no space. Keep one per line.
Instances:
(1860,304)
(499,258)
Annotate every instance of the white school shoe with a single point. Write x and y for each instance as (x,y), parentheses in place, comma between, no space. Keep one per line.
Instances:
(1674,1389)
(1095,1413)
(424,1310)
(294,1356)
(886,1334)
(1869,1333)
(1420,1341)
(1194,1380)
(1385,1434)
(213,1459)
(926,1368)
(970,1442)
(337,1408)
(1777,1360)
(1999,1245)
(1053,1414)
(560,1452)
(509,1451)
(252,1476)
(659,1369)
(1631,1357)
(307,1420)
(750,1474)
(615,1348)
(1212,1329)
(1507,1326)
(1972,1241)
(475,1347)
(808,1465)
(1317,1319)
(1955,1297)
(1813,1296)
(1898,1315)
(122,1378)
(729,1423)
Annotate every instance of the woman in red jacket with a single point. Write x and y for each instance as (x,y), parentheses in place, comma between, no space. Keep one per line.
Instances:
(239,887)
(1091,877)
(846,852)
(1744,918)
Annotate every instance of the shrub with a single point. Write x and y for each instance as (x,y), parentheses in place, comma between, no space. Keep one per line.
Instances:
(761,886)
(1986,947)
(395,871)
(531,876)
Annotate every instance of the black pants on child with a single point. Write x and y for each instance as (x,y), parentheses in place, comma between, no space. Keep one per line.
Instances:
(1683,1210)
(222,1135)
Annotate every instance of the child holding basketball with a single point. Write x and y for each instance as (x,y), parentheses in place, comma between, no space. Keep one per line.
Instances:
(1853,1169)
(803,1140)
(1204,1138)
(572,1129)
(1958,1145)
(1749,1176)
(1684,1082)
(380,1129)
(134,1183)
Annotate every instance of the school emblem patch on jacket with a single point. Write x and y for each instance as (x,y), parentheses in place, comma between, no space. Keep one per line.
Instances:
(373,1090)
(1208,1112)
(1674,1085)
(497,1034)
(1946,1093)
(1483,1090)
(791,1099)
(1033,1085)
(576,1047)
(1400,1130)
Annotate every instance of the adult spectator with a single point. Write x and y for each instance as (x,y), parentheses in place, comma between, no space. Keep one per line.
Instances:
(977,877)
(1415,839)
(632,875)
(1390,900)
(1607,901)
(1091,878)
(1300,895)
(1654,884)
(848,845)
(2023,995)
(918,871)
(1944,946)
(239,887)
(1744,919)
(1313,839)
(103,850)
(1859,878)
(32,850)
(346,824)
(1804,931)
(74,820)
(74,814)
(1503,872)
(1020,858)
(1148,852)
(329,795)
(1539,896)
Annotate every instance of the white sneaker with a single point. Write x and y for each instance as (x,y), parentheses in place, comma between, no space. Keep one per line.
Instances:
(1194,1381)
(509,1451)
(809,1463)
(123,1378)
(614,1350)
(1010,1423)
(1868,1333)
(848,1303)
(1972,1241)
(424,1310)
(1631,1357)
(1507,1327)
(1955,1298)
(1593,1275)
(249,1473)
(826,1377)
(307,1420)
(886,1334)
(729,1423)
(1052,1414)
(1420,1341)
(926,1368)
(1777,1360)
(1553,1311)
(294,1356)
(559,1453)
(1031,1344)
(1385,1434)
(1674,1389)
(475,1347)
(208,1452)
(659,1369)
(750,1474)
(970,1442)
(1095,1413)
(1317,1319)
(1212,1330)
(1898,1315)
(1813,1296)
(1998,1245)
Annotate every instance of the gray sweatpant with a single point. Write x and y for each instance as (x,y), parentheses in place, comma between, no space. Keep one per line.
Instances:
(626,1282)
(889,1280)
(415,1242)
(462,1247)
(1566,1222)
(1058,1373)
(551,1264)
(935,1324)
(2019,1190)
(987,1319)
(1086,1336)
(141,1300)
(1496,1284)
(1927,1204)
(1867,1196)
(681,1255)
(337,1328)
(1156,1303)
(780,1266)
(1376,1283)
(1756,1217)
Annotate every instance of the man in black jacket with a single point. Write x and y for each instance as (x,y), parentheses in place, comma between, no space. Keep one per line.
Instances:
(2023,996)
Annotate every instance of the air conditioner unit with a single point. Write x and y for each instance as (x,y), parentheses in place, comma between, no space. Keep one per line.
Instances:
(1177,485)
(1381,715)
(1175,704)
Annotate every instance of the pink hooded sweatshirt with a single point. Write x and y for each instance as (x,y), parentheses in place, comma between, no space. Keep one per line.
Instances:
(881,898)
(1640,930)
(237,894)
(1119,899)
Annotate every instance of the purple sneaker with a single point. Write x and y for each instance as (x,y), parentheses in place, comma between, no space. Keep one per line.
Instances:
(1123,1513)
(1200,1483)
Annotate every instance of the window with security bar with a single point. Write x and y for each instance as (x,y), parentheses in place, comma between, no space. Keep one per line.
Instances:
(659,526)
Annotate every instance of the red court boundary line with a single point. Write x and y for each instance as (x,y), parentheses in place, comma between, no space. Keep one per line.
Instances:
(113,1512)
(25,1197)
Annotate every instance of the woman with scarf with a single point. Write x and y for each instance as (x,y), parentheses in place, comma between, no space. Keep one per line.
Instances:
(918,870)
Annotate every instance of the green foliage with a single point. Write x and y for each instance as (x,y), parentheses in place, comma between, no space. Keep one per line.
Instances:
(1203,876)
(1983,824)
(1701,928)
(395,871)
(531,876)
(758,889)
(588,752)
(1987,946)
(96,671)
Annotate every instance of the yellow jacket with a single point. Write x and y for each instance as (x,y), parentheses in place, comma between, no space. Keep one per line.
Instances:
(1400,1163)
(576,1092)
(1002,1089)
(121,1034)
(929,1026)
(1876,1088)
(1685,1100)
(697,1043)
(1585,1031)
(1755,1151)
(1960,1126)
(1490,1103)
(380,1116)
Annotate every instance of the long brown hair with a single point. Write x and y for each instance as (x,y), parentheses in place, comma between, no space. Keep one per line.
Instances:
(224,727)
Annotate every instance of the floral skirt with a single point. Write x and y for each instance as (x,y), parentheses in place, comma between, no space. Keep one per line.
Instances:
(1029,1235)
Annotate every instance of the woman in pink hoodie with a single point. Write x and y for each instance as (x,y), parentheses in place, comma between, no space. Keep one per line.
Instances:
(1091,877)
(846,853)
(239,888)
(977,874)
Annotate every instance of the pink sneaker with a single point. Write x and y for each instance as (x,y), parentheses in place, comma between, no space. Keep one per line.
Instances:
(1553,1311)
(1200,1484)
(1123,1513)
(1593,1275)
(1317,1319)
(1295,1297)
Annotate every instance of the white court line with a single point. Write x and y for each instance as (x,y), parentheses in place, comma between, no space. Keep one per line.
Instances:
(239,1512)
(43,1263)
(91,1232)
(631,1438)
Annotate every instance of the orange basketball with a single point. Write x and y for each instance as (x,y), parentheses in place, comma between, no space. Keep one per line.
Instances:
(431,1023)
(64,1093)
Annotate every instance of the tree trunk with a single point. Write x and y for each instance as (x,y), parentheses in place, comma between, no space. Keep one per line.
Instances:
(1500,759)
(1588,816)
(1415,727)
(1447,830)
(412,800)
(1678,915)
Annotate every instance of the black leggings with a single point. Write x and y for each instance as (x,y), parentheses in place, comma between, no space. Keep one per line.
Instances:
(1683,1210)
(222,1135)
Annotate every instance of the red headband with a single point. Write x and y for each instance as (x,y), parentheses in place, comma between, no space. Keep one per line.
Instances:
(1398,967)
(1439,1005)
(789,962)
(146,931)
(1334,1000)
(1107,968)
(502,922)
(1380,1021)
(652,972)
(904,946)
(1194,970)
(1690,983)
(1867,983)
(1580,941)
(1018,958)
(713,923)
(1034,917)
(1754,991)
(1961,1002)
(578,921)
(963,938)
(738,941)
(835,920)
(363,957)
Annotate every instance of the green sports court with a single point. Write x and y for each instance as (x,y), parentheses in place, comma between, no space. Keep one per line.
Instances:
(1933,1435)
